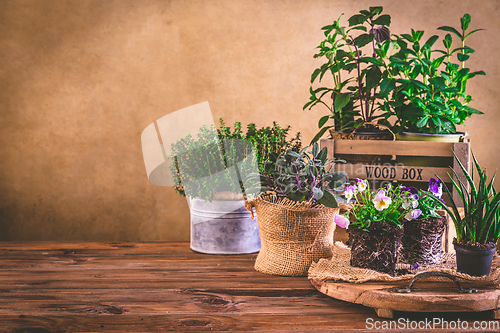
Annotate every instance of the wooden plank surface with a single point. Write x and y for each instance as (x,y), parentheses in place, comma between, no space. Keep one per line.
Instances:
(383,147)
(146,287)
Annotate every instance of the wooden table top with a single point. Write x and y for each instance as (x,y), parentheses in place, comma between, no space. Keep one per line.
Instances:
(162,286)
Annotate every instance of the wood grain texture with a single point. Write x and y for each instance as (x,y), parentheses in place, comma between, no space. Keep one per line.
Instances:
(383,147)
(159,287)
(426,296)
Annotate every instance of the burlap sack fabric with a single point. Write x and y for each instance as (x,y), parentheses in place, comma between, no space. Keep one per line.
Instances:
(338,268)
(293,234)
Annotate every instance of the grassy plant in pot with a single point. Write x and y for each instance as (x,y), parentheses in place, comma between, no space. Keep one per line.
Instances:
(296,214)
(362,48)
(424,86)
(423,225)
(211,170)
(375,230)
(478,228)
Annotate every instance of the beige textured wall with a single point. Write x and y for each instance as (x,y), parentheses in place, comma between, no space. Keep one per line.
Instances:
(81,79)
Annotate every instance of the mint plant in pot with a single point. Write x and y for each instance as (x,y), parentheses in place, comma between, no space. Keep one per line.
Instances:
(296,211)
(425,86)
(423,225)
(478,228)
(359,50)
(376,228)
(211,169)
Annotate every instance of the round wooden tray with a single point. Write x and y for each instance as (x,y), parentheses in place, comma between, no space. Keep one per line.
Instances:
(425,296)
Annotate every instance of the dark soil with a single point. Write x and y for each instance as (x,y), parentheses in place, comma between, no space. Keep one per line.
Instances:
(422,241)
(476,246)
(377,248)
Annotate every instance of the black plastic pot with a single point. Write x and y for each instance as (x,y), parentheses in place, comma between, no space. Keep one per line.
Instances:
(475,262)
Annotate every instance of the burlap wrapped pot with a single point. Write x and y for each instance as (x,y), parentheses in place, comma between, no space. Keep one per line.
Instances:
(293,234)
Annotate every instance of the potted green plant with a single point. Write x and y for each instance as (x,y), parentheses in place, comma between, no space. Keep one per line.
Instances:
(376,228)
(423,225)
(211,171)
(362,47)
(296,214)
(478,228)
(425,89)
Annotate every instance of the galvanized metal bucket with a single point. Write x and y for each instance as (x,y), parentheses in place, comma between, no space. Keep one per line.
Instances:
(223,227)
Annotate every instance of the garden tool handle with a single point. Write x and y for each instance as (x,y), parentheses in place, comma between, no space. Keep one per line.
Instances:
(434,273)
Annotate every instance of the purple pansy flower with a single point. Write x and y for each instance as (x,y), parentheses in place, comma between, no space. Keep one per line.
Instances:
(341,221)
(436,187)
(411,191)
(362,184)
(381,201)
(349,192)
(413,214)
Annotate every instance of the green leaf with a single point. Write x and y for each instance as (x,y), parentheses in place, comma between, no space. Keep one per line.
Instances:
(437,62)
(465,20)
(322,121)
(451,29)
(473,31)
(376,10)
(320,134)
(373,76)
(422,122)
(372,60)
(431,40)
(328,200)
(447,124)
(462,57)
(383,20)
(409,51)
(438,82)
(467,50)
(341,101)
(471,75)
(417,35)
(316,72)
(447,41)
(323,154)
(421,85)
(387,85)
(317,192)
(315,149)
(357,19)
(358,27)
(363,39)
(293,153)
(408,37)
(471,110)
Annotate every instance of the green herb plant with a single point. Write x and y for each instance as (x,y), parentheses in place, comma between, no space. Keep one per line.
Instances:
(265,139)
(302,176)
(217,160)
(480,222)
(361,47)
(423,86)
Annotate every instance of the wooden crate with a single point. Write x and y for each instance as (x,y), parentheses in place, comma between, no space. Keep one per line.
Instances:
(392,171)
